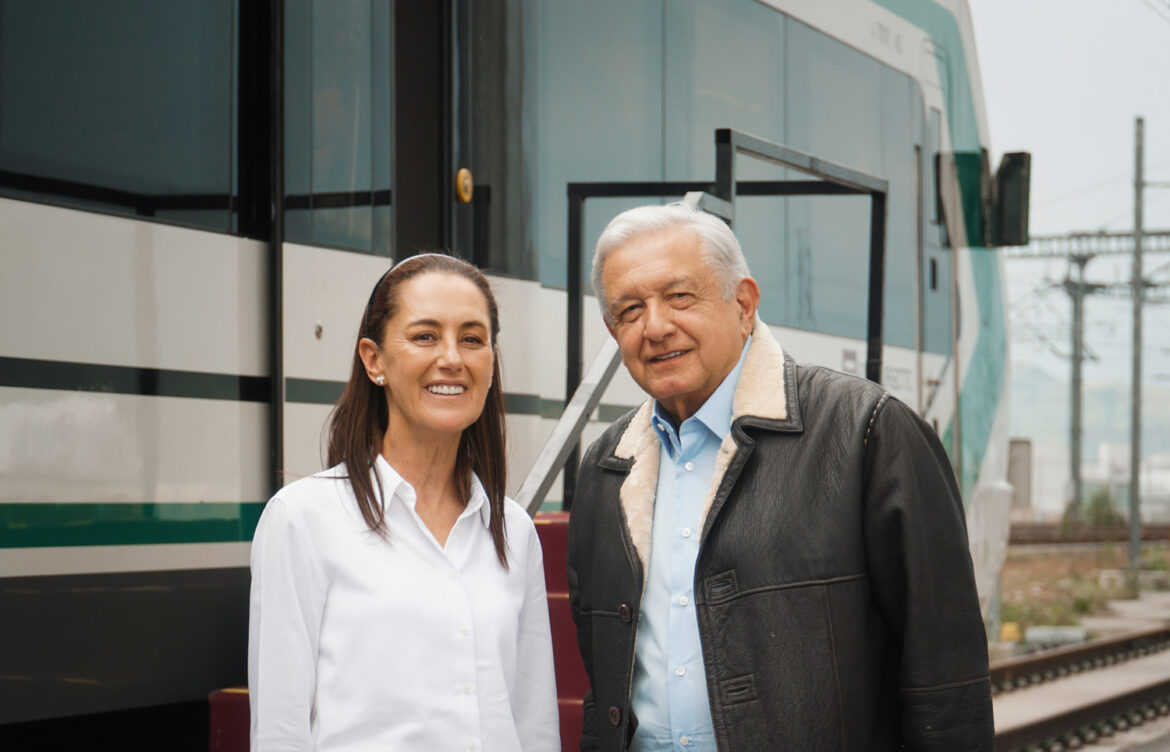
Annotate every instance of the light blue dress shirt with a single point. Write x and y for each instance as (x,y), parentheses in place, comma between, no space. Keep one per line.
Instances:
(669,695)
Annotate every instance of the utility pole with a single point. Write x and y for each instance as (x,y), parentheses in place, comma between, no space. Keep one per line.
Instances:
(1080,248)
(1135,439)
(1077,290)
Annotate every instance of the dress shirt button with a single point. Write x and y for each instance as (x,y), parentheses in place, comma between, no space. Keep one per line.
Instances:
(689,466)
(682,601)
(465,689)
(472,746)
(680,671)
(624,613)
(686,532)
(684,741)
(451,576)
(464,630)
(615,715)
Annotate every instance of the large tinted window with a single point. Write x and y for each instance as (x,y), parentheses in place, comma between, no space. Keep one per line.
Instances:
(706,88)
(120,105)
(338,166)
(590,109)
(798,87)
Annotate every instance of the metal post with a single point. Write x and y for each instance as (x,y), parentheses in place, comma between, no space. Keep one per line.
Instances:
(1135,439)
(1076,290)
(877,277)
(276,252)
(574,331)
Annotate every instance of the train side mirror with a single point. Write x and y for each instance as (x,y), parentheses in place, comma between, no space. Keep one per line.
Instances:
(1009,210)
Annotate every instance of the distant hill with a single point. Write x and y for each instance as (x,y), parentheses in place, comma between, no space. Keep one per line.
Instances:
(1041,411)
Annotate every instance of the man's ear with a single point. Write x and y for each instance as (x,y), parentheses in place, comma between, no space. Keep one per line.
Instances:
(747,297)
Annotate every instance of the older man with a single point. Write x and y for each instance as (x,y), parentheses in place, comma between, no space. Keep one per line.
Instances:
(763,556)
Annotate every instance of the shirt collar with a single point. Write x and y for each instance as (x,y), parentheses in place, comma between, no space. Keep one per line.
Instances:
(715,413)
(394,486)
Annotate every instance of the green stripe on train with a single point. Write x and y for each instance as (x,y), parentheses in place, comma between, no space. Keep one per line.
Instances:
(121,524)
(982,384)
(118,524)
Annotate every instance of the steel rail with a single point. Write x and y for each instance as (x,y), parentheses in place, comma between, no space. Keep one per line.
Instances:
(1085,723)
(1026,670)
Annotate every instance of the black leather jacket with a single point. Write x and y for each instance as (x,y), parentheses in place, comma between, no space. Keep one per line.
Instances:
(833,588)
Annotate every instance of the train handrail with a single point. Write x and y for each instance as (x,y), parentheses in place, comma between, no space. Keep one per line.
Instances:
(718,198)
(567,432)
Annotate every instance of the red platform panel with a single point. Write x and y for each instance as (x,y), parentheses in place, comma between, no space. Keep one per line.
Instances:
(230,720)
(572,682)
(553,529)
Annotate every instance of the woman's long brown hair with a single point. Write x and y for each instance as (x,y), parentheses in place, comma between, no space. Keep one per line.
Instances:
(360,417)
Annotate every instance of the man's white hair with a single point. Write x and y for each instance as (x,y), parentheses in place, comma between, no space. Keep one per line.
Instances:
(718,243)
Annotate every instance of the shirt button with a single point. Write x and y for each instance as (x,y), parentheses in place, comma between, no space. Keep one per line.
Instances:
(464,630)
(680,671)
(451,576)
(689,466)
(686,532)
(465,689)
(472,746)
(683,601)
(685,741)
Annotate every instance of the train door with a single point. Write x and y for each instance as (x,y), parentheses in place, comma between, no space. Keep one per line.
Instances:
(450,83)
(387,119)
(938,332)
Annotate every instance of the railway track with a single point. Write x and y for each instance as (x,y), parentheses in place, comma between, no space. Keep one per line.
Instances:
(1066,698)
(1034,533)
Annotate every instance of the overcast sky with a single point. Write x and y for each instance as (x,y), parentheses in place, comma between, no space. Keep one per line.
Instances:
(1064,80)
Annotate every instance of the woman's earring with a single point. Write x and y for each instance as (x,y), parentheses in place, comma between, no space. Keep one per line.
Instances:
(381,380)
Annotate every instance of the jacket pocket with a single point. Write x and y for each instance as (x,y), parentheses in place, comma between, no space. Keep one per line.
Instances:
(774,663)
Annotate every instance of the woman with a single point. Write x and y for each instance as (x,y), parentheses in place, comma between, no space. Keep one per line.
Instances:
(398,598)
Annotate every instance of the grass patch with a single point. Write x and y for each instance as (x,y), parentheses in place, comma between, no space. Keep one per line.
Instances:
(1059,588)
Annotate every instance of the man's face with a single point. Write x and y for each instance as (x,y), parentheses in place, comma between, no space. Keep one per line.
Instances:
(679,338)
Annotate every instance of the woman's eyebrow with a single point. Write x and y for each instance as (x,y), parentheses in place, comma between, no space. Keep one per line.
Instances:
(438,324)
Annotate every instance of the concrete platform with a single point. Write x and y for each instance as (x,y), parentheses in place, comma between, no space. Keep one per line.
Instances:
(1151,610)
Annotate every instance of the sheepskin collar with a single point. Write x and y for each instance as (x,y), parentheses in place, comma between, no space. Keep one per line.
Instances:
(760,393)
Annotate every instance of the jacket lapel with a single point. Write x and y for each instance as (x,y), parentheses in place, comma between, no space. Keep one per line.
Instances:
(761,380)
(640,444)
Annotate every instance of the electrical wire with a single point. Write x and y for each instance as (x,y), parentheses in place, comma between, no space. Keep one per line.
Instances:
(1162,10)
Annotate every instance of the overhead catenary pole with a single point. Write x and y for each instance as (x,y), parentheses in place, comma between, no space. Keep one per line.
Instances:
(1076,291)
(1135,439)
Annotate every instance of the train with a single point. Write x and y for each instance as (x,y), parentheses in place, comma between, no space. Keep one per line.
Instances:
(197,196)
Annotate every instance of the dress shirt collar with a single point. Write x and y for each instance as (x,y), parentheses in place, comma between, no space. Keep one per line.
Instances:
(394,486)
(715,413)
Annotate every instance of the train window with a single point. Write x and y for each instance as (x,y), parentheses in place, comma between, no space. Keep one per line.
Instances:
(499,233)
(935,134)
(85,122)
(933,274)
(338,164)
(846,107)
(705,89)
(591,110)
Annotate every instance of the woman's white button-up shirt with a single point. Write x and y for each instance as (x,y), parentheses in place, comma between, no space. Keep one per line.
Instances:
(362,643)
